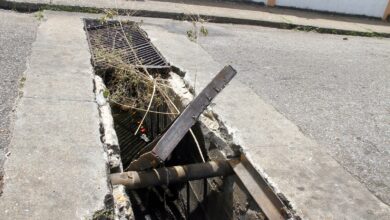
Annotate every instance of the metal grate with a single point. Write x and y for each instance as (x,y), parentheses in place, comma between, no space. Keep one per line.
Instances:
(111,37)
(126,124)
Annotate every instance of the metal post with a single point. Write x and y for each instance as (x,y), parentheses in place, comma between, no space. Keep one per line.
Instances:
(169,175)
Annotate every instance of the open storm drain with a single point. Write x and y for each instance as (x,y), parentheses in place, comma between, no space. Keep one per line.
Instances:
(167,170)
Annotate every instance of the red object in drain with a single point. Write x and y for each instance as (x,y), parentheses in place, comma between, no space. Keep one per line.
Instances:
(143,130)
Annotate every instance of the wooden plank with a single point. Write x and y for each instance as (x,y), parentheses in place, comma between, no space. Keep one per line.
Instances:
(184,122)
(386,12)
(190,115)
(271,2)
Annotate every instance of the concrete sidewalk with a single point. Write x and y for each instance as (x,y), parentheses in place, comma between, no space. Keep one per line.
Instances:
(57,163)
(317,186)
(18,32)
(219,12)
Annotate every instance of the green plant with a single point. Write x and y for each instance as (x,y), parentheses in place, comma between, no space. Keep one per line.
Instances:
(108,15)
(104,214)
(22,81)
(39,15)
(197,28)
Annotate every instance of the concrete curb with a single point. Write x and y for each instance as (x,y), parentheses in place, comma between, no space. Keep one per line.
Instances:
(122,204)
(33,7)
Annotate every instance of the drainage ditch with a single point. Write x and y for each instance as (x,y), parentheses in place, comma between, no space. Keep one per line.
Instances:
(165,202)
(127,132)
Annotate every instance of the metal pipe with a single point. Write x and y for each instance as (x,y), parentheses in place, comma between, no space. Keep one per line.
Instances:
(169,175)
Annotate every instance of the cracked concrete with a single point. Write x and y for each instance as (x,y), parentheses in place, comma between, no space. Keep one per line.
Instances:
(122,204)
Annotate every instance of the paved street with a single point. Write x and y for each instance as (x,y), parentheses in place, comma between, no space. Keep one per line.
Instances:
(337,91)
(17,32)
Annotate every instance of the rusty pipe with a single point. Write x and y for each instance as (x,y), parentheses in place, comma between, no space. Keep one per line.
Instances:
(169,175)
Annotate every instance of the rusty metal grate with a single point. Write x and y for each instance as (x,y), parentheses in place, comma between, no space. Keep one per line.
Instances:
(112,38)
(126,124)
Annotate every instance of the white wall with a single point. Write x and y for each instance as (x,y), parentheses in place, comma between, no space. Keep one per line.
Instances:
(374,8)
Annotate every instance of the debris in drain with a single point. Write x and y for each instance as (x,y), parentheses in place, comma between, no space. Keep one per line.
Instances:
(169,140)
(145,138)
(126,124)
(150,135)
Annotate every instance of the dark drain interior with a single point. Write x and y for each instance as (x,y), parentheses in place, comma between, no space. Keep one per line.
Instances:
(165,202)
(176,201)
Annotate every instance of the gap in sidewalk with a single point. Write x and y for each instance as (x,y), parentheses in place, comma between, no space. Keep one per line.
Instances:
(201,199)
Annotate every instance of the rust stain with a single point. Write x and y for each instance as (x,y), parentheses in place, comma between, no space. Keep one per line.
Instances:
(271,2)
(387,11)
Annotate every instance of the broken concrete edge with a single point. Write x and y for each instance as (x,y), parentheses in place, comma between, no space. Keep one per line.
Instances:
(121,202)
(212,128)
(34,7)
(109,139)
(216,132)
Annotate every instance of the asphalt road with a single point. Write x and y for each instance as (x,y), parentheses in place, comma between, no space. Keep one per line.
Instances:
(17,32)
(335,88)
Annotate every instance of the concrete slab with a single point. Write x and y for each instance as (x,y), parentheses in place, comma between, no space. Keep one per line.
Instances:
(221,11)
(54,60)
(299,168)
(57,87)
(57,167)
(18,32)
(56,162)
(316,185)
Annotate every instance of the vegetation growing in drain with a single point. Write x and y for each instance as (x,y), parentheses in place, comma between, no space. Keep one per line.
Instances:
(108,15)
(134,88)
(129,86)
(104,214)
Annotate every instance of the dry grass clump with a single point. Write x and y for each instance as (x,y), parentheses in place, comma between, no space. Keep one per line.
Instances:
(128,85)
(135,88)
